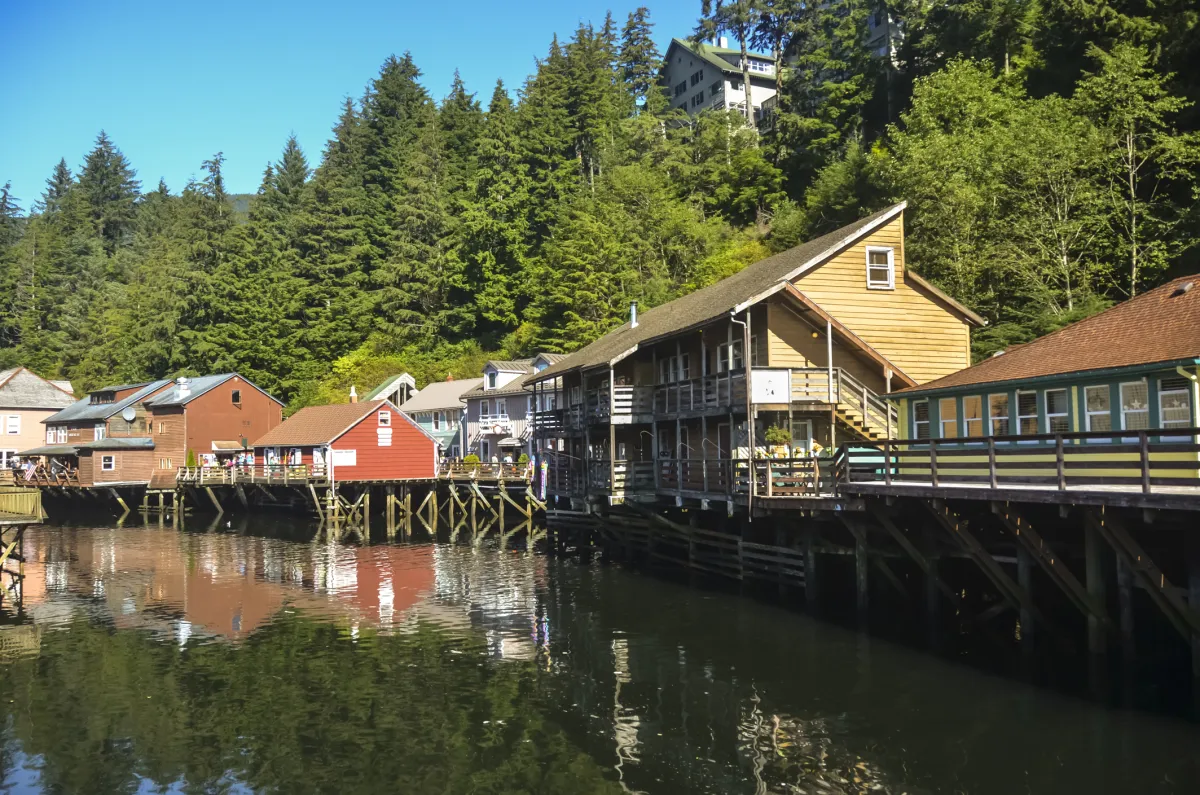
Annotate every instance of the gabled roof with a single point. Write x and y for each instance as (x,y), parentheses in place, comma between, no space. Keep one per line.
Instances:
(1161,326)
(318,424)
(21,388)
(391,385)
(84,409)
(712,55)
(441,395)
(197,387)
(745,288)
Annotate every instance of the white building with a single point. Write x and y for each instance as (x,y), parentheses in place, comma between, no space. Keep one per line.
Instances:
(708,77)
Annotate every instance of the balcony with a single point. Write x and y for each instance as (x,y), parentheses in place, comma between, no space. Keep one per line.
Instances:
(707,478)
(701,394)
(495,423)
(624,402)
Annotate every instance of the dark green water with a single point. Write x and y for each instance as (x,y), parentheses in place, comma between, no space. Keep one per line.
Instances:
(148,660)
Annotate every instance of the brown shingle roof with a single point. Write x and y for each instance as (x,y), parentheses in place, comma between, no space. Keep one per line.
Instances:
(1162,325)
(317,424)
(717,300)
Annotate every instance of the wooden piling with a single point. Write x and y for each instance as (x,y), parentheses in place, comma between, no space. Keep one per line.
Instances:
(861,581)
(1025,580)
(1125,609)
(1094,567)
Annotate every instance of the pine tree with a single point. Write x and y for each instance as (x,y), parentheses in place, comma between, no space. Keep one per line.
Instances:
(57,185)
(108,183)
(460,120)
(547,139)
(739,17)
(639,59)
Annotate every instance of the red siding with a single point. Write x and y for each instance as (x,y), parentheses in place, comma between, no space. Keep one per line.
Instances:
(213,417)
(412,455)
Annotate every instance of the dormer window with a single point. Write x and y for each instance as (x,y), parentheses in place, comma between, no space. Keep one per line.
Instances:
(881,268)
(237,397)
(385,418)
(491,379)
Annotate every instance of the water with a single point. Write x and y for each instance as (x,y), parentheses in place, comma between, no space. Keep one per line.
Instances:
(151,660)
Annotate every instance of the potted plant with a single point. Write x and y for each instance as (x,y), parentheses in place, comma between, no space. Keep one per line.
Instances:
(778,438)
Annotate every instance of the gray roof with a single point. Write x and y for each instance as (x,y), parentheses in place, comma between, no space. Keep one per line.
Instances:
(23,389)
(440,395)
(86,410)
(197,387)
(391,385)
(510,366)
(51,449)
(712,55)
(717,300)
(517,385)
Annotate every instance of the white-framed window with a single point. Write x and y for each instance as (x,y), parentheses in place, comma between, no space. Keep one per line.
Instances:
(6,458)
(485,408)
(1175,403)
(485,450)
(437,419)
(164,463)
(576,395)
(12,424)
(108,463)
(973,416)
(921,419)
(385,418)
(881,268)
(501,407)
(1057,420)
(1027,413)
(729,356)
(62,434)
(948,417)
(1097,403)
(491,379)
(49,436)
(236,397)
(675,368)
(98,431)
(1135,406)
(998,415)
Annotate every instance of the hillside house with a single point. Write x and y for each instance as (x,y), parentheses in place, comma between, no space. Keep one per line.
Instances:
(26,399)
(441,412)
(709,77)
(806,343)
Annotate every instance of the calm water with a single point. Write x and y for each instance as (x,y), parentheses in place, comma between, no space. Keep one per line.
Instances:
(149,660)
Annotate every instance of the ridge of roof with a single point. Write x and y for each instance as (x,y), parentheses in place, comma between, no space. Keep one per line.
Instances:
(1112,339)
(84,409)
(22,388)
(317,424)
(711,53)
(441,395)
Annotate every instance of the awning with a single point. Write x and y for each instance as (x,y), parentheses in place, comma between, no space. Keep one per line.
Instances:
(228,447)
(51,449)
(509,441)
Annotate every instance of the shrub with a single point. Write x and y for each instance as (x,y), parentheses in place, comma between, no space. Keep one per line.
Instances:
(470,458)
(776,435)
(523,460)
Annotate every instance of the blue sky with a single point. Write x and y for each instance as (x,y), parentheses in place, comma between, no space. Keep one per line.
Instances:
(174,82)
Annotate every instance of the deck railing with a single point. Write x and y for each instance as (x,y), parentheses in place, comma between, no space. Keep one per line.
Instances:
(42,476)
(698,394)
(812,385)
(285,474)
(1130,460)
(17,503)
(459,470)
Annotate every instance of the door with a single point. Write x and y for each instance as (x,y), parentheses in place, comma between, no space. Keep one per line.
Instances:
(801,437)
(719,480)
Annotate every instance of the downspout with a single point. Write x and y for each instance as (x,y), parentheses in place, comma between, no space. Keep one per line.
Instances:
(745,324)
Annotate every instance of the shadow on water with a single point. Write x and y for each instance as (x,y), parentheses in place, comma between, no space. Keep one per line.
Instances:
(250,657)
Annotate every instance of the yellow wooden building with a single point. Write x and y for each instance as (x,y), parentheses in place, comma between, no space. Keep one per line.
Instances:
(806,344)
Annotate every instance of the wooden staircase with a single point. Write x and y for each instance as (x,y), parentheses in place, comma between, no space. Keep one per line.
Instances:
(860,410)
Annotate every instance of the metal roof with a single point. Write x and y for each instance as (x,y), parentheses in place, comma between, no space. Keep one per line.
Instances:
(197,387)
(389,386)
(440,395)
(51,449)
(20,388)
(510,365)
(120,443)
(86,410)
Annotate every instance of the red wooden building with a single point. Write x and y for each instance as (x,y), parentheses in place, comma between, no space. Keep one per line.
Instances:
(352,442)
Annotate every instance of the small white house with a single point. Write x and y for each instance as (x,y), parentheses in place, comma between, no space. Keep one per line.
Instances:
(709,77)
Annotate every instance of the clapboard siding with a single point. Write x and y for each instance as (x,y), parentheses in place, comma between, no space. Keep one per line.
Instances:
(908,325)
(411,456)
(130,466)
(791,344)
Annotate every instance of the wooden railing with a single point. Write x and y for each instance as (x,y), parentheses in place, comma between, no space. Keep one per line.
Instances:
(18,503)
(697,394)
(624,475)
(1127,460)
(285,474)
(44,476)
(459,470)
(811,384)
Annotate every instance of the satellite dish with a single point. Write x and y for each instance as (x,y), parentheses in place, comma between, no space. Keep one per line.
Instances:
(129,413)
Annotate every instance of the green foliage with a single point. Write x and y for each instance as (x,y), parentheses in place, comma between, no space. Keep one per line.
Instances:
(190,459)
(470,458)
(523,459)
(776,436)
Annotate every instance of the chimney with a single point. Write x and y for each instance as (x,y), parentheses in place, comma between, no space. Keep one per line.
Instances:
(633,314)
(353,394)
(723,42)
(184,386)
(450,376)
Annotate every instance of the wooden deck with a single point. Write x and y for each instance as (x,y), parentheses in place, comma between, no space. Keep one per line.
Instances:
(19,506)
(303,475)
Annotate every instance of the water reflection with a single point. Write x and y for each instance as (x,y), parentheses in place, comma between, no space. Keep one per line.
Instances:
(150,659)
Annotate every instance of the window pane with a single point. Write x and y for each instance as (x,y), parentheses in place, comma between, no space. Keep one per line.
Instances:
(948,417)
(973,415)
(1026,403)
(1174,409)
(1056,401)
(921,411)
(998,412)
(1135,406)
(1097,398)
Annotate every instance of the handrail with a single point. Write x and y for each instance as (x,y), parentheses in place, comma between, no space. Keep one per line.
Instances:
(1137,460)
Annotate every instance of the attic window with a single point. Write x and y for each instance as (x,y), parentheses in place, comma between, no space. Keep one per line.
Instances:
(881,268)
(385,418)
(237,397)
(491,379)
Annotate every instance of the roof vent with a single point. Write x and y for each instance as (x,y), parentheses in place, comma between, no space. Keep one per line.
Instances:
(449,376)
(184,386)
(1183,288)
(633,314)
(723,42)
(353,394)
(997,353)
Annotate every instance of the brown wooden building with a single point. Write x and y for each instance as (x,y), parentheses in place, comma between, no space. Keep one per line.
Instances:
(806,343)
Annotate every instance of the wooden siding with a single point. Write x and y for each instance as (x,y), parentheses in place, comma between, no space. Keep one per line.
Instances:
(131,466)
(907,324)
(213,416)
(32,433)
(170,452)
(790,344)
(411,456)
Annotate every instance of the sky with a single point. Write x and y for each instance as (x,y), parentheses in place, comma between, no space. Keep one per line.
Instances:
(174,82)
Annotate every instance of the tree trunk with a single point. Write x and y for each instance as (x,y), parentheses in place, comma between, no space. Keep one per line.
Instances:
(746,76)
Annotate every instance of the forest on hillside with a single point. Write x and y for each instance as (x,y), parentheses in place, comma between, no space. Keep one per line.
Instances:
(1048,151)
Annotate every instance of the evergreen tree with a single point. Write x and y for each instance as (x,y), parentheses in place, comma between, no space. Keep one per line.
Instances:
(639,58)
(109,185)
(57,185)
(740,18)
(460,120)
